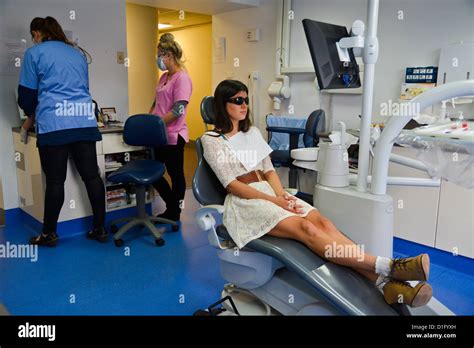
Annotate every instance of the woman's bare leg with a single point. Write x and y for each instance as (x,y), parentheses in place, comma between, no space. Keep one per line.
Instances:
(320,239)
(327,226)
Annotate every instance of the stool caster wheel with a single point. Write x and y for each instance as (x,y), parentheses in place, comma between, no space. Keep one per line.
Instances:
(114,229)
(118,242)
(175,228)
(160,242)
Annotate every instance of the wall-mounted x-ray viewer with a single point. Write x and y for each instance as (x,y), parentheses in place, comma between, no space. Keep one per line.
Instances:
(331,49)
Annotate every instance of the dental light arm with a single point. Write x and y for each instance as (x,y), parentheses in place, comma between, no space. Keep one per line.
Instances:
(396,124)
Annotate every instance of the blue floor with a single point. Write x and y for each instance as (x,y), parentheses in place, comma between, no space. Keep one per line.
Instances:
(82,277)
(452,277)
(176,279)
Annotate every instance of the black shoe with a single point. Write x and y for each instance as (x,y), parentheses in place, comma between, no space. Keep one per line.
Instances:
(99,234)
(170,216)
(49,239)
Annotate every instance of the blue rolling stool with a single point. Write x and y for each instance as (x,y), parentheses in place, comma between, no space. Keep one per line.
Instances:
(148,131)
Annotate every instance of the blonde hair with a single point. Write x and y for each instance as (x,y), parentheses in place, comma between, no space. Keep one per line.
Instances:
(168,44)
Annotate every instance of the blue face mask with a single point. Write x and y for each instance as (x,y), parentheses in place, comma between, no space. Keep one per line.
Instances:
(161,65)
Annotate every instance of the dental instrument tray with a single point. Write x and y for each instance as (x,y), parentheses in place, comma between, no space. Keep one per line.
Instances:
(447,150)
(458,130)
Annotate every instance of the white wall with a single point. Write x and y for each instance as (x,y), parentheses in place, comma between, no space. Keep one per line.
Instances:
(100,27)
(196,43)
(252,55)
(427,26)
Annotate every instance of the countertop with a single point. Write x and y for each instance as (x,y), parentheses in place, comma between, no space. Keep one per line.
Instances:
(104,130)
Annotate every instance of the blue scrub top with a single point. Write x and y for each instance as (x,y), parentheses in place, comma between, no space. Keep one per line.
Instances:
(59,73)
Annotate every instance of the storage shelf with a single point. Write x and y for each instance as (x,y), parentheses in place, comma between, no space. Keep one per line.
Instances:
(112,169)
(113,185)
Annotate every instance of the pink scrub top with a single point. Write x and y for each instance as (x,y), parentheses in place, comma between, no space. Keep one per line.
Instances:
(178,88)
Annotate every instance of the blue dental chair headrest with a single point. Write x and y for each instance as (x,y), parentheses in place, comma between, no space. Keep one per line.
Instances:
(206,187)
(208,110)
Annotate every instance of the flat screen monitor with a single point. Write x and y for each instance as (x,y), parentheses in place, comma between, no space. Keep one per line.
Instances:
(330,71)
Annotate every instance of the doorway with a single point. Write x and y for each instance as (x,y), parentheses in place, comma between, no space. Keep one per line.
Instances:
(193,31)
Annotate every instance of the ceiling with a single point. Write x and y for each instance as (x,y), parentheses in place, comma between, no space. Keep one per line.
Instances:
(209,7)
(172,17)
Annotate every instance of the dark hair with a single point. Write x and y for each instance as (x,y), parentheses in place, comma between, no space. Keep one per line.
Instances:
(224,91)
(50,29)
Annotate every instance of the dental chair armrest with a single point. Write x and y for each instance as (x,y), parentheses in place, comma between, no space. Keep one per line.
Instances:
(207,222)
(287,130)
(294,134)
(213,208)
(204,217)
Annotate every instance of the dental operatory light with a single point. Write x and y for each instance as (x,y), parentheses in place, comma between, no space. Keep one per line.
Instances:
(164,26)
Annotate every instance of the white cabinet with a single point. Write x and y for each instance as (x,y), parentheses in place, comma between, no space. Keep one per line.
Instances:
(455,231)
(113,143)
(415,209)
(440,217)
(32,185)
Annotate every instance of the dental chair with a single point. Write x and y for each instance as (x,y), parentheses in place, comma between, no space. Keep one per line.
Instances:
(275,275)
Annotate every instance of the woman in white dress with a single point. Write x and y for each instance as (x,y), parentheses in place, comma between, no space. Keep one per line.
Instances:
(257,204)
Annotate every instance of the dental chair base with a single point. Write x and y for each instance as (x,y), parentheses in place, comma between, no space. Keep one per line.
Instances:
(284,294)
(363,217)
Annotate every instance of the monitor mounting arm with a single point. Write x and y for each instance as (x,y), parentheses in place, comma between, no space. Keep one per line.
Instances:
(356,41)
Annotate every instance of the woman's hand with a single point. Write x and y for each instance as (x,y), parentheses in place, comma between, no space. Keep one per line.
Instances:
(291,198)
(28,123)
(289,203)
(24,129)
(287,196)
(152,107)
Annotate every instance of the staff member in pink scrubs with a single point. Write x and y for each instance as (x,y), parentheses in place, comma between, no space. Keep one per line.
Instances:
(172,97)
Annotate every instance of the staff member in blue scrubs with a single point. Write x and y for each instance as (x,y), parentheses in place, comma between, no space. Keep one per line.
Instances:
(54,90)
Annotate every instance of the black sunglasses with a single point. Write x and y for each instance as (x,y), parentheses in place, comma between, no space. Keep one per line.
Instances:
(238,100)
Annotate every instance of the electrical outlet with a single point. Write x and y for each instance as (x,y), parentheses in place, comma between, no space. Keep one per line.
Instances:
(255,75)
(253,35)
(120,57)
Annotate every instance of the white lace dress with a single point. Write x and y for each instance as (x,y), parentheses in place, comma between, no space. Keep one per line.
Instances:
(245,219)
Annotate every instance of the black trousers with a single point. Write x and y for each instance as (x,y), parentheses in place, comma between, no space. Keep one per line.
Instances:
(54,163)
(173,158)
